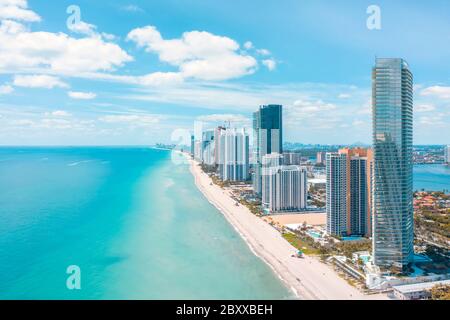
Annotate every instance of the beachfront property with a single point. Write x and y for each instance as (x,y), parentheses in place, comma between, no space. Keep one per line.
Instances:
(393,229)
(284,188)
(268,138)
(207,147)
(349,198)
(417,291)
(336,194)
(234,155)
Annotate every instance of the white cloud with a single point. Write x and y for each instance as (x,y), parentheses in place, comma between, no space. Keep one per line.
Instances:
(270,64)
(81,95)
(437,91)
(132,8)
(132,119)
(248,45)
(344,96)
(17,10)
(58,53)
(159,79)
(39,81)
(223,118)
(435,120)
(83,28)
(263,52)
(307,107)
(58,113)
(357,122)
(6,89)
(197,54)
(424,108)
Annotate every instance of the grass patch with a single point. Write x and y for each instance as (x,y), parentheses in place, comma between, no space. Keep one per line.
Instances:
(300,244)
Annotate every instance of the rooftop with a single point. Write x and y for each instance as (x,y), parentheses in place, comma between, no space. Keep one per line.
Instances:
(408,288)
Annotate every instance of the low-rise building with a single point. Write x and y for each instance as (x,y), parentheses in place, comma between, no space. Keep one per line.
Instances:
(416,291)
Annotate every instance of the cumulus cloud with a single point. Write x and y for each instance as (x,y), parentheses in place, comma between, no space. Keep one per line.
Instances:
(270,64)
(21,49)
(83,28)
(39,81)
(17,10)
(6,89)
(437,91)
(81,95)
(197,54)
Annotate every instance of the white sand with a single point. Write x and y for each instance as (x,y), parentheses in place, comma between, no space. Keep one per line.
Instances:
(313,219)
(307,277)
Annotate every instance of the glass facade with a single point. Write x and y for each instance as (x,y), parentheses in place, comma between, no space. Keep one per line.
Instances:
(392,100)
(268,138)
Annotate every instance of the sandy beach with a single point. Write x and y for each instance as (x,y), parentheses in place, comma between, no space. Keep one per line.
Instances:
(307,277)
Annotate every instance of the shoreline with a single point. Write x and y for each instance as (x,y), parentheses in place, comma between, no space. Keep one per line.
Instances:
(307,278)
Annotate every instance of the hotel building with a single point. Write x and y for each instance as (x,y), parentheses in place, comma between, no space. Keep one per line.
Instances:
(392,103)
(234,162)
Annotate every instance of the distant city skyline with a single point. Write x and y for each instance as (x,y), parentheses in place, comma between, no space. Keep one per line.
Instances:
(94,81)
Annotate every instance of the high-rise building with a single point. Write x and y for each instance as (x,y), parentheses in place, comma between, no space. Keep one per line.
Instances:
(284,188)
(217,132)
(269,161)
(321,157)
(192,145)
(268,138)
(359,190)
(234,162)
(392,103)
(292,159)
(198,151)
(336,190)
(208,155)
(447,154)
(349,192)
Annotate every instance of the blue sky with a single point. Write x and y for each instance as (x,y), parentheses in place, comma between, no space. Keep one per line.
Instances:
(132,72)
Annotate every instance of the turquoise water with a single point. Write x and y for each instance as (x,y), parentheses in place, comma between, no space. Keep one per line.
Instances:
(133,221)
(432,177)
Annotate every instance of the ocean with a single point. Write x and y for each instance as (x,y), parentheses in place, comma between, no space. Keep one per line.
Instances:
(131,219)
(432,177)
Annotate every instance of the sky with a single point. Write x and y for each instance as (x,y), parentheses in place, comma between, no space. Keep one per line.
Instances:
(135,72)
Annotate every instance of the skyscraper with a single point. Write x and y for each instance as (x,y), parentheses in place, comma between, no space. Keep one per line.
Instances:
(349,185)
(234,155)
(392,103)
(336,199)
(268,138)
(284,188)
(208,154)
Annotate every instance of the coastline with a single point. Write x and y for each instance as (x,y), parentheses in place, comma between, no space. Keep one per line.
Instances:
(307,278)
